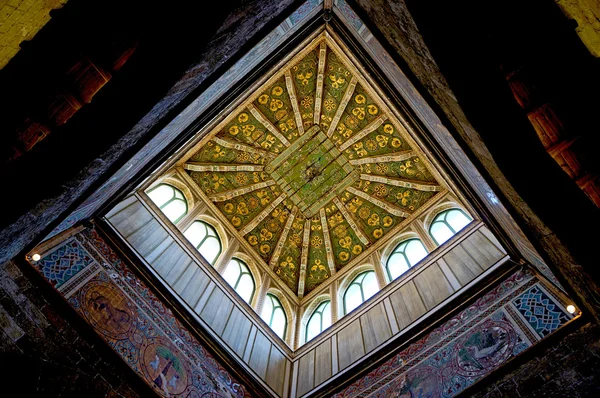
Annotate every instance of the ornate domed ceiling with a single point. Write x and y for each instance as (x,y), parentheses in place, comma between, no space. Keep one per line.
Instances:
(313,169)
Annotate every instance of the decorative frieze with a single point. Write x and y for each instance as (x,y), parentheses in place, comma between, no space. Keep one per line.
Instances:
(398,182)
(342,106)
(223,196)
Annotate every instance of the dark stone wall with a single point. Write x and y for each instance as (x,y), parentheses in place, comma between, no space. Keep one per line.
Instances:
(458,52)
(455,52)
(46,350)
(180,48)
(567,366)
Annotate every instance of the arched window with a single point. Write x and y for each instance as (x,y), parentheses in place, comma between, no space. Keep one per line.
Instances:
(204,238)
(361,288)
(404,256)
(170,201)
(319,320)
(240,279)
(273,314)
(446,224)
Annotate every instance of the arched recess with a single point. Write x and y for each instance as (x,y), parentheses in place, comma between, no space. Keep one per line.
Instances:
(308,311)
(345,283)
(255,274)
(287,309)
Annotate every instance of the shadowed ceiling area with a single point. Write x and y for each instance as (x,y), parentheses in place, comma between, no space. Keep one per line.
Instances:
(20,20)
(313,169)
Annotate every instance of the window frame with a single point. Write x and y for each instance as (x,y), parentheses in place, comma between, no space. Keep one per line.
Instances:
(208,227)
(323,304)
(362,293)
(241,263)
(175,191)
(444,213)
(405,242)
(272,297)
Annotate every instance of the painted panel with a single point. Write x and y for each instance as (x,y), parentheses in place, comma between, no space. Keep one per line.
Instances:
(482,250)
(237,331)
(322,362)
(375,327)
(350,344)
(462,265)
(306,372)
(196,285)
(433,286)
(131,218)
(491,330)
(216,311)
(260,354)
(407,304)
(134,322)
(148,237)
(276,370)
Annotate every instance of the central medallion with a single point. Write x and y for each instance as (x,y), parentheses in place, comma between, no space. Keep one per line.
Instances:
(312,171)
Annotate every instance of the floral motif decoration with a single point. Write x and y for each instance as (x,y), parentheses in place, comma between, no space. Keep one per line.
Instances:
(266,168)
(304,74)
(317,267)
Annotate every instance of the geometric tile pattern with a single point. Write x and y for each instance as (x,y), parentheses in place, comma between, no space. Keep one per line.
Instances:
(542,314)
(62,264)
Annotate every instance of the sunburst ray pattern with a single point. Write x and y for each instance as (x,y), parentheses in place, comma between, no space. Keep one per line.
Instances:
(313,171)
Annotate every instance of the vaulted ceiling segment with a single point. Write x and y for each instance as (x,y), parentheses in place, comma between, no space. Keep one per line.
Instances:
(313,169)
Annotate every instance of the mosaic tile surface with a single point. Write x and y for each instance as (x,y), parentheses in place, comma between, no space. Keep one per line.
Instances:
(540,311)
(64,263)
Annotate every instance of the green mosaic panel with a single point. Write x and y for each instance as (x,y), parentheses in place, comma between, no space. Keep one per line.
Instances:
(384,140)
(264,237)
(245,129)
(344,242)
(317,269)
(359,113)
(242,209)
(412,169)
(214,182)
(335,82)
(407,199)
(373,220)
(274,103)
(312,171)
(288,265)
(215,153)
(304,75)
